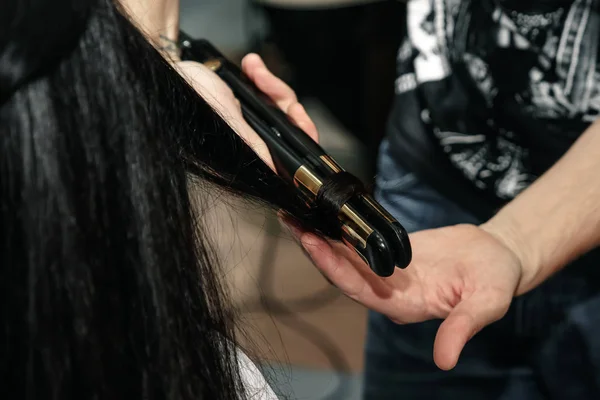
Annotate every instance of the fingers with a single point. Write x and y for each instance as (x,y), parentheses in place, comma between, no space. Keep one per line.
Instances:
(464,322)
(299,115)
(330,260)
(272,86)
(279,92)
(344,269)
(398,297)
(331,264)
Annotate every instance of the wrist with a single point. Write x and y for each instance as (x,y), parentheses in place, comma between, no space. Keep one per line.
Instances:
(510,234)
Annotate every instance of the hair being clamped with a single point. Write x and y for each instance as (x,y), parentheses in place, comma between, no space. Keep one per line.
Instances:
(364,225)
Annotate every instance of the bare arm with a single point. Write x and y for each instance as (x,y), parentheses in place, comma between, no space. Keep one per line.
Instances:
(556,219)
(468,275)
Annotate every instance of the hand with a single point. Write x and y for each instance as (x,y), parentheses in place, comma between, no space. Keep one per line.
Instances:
(279,92)
(463,274)
(159,21)
(221,98)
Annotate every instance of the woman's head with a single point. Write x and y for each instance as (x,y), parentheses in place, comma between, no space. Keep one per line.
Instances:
(108,286)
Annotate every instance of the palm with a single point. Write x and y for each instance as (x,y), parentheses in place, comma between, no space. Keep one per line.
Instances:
(221,98)
(460,273)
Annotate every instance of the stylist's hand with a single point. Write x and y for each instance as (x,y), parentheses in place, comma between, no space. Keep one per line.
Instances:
(279,92)
(463,274)
(221,98)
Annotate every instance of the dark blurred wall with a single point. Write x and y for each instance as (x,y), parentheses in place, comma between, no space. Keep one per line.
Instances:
(344,56)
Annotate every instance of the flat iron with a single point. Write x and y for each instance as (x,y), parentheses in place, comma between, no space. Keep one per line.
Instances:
(366,227)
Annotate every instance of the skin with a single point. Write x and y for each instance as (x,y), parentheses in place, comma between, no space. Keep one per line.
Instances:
(159,20)
(464,274)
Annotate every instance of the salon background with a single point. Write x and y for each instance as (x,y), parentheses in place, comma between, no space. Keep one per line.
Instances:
(339,56)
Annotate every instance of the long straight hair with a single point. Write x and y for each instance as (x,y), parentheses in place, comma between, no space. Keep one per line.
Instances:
(108,286)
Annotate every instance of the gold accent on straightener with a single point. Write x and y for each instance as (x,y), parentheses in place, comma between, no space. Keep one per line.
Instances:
(330,162)
(356,230)
(307,182)
(213,64)
(349,241)
(354,226)
(377,207)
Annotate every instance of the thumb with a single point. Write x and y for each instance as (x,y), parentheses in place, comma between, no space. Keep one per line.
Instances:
(465,321)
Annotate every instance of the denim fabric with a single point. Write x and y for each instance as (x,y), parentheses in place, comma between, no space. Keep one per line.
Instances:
(518,357)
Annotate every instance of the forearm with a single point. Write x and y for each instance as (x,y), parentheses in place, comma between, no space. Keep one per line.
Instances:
(557,218)
(158,19)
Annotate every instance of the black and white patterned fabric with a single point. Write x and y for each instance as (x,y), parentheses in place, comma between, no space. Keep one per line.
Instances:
(503,87)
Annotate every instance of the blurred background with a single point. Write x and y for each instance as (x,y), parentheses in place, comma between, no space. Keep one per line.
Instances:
(339,56)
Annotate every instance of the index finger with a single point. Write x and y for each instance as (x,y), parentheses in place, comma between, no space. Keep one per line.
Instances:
(284,97)
(271,85)
(346,270)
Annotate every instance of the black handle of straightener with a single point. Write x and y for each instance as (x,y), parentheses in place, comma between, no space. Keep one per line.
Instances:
(285,162)
(258,102)
(388,246)
(396,237)
(378,253)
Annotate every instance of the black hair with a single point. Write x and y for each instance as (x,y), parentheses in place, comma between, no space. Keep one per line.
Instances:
(108,284)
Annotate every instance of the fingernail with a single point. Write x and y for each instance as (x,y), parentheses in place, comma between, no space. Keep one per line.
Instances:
(310,240)
(302,108)
(289,224)
(295,231)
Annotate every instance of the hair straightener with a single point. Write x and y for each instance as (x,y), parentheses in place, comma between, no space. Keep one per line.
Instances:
(366,227)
